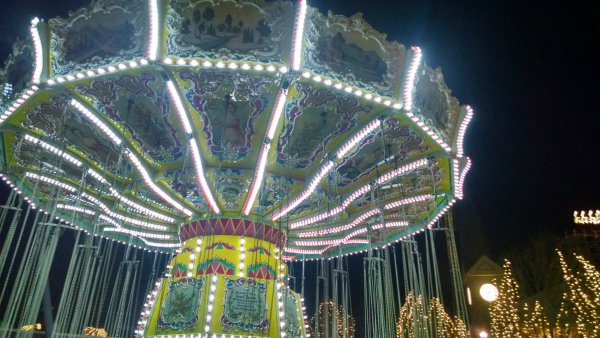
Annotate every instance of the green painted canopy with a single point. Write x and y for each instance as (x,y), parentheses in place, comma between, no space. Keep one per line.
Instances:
(131,118)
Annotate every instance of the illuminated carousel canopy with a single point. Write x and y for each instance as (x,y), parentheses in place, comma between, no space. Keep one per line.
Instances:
(160,120)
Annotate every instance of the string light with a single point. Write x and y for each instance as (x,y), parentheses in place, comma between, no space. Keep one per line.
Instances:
(103,127)
(38,51)
(52,149)
(142,171)
(298,35)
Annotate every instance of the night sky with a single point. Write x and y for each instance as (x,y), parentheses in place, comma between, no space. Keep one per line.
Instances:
(528,69)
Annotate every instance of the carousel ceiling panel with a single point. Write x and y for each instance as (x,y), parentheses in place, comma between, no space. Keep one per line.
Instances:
(183,182)
(351,51)
(435,105)
(110,31)
(374,155)
(317,120)
(231,110)
(17,70)
(56,120)
(140,104)
(236,30)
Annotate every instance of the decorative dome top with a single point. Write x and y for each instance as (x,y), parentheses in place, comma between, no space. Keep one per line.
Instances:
(135,117)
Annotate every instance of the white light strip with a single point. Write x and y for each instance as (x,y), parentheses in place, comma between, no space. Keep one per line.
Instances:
(105,129)
(357,138)
(242,257)
(97,176)
(38,51)
(222,64)
(429,131)
(160,245)
(181,111)
(140,208)
(281,311)
(462,129)
(440,214)
(179,107)
(154,37)
(325,169)
(358,92)
(142,171)
(341,228)
(147,310)
(298,34)
(258,178)
(53,150)
(348,238)
(50,181)
(97,71)
(192,264)
(411,73)
(359,192)
(303,251)
(278,108)
(110,221)
(18,103)
(402,170)
(127,219)
(76,209)
(306,192)
(392,224)
(408,97)
(408,200)
(264,152)
(201,178)
(137,233)
(460,180)
(211,300)
(137,207)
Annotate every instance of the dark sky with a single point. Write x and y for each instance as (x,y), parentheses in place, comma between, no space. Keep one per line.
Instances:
(528,68)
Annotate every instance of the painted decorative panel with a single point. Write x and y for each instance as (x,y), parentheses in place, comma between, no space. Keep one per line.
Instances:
(180,308)
(236,30)
(245,306)
(106,32)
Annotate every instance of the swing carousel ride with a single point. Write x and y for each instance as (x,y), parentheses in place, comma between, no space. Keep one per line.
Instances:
(235,137)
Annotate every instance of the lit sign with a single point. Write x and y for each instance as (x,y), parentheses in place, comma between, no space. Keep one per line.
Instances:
(590,218)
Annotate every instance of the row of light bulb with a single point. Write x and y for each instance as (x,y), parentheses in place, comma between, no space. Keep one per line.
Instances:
(460,136)
(430,225)
(147,309)
(350,90)
(358,193)
(137,233)
(314,182)
(96,121)
(305,192)
(17,103)
(348,239)
(109,212)
(54,150)
(87,211)
(144,173)
(460,179)
(264,152)
(341,228)
(38,51)
(365,216)
(356,138)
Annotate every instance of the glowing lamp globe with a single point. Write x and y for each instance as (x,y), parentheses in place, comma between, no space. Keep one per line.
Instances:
(489,292)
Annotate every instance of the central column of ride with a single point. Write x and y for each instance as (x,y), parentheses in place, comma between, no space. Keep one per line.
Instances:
(228,278)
